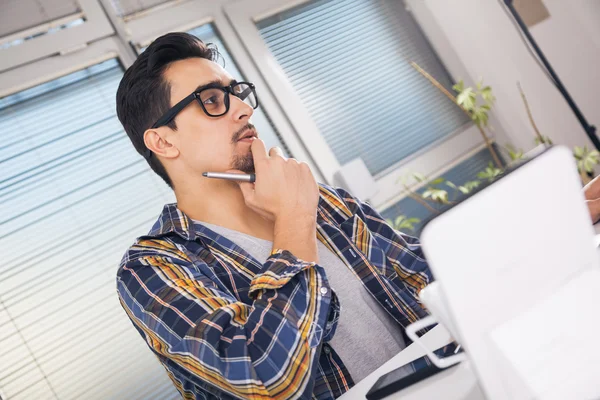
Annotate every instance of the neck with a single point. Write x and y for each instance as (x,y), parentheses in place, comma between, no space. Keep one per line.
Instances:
(221,202)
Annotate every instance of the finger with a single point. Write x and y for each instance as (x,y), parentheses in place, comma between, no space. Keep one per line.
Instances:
(259,151)
(234,171)
(275,151)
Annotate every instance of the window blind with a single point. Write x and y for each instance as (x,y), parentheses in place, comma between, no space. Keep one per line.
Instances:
(348,60)
(74,195)
(18,15)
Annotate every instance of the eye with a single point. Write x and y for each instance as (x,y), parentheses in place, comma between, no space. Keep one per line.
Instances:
(211,100)
(212,97)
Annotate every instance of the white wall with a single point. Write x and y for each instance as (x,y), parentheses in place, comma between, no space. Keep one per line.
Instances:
(488,45)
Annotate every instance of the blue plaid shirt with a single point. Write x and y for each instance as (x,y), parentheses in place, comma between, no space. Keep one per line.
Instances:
(227,326)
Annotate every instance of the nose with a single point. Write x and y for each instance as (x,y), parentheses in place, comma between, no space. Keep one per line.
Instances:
(239,109)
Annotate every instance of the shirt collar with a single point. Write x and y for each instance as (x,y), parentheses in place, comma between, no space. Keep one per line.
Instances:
(173,220)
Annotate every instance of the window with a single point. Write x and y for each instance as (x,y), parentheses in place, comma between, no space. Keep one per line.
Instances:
(31,30)
(341,72)
(21,15)
(349,63)
(74,194)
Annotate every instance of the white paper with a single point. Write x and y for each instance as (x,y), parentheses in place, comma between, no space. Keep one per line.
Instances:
(554,345)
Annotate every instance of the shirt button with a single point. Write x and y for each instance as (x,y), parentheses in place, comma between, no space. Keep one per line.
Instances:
(326,349)
(323,291)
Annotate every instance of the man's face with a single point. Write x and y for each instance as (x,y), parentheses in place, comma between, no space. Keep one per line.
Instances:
(208,143)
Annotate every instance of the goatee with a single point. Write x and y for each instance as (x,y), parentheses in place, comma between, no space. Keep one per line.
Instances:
(243,163)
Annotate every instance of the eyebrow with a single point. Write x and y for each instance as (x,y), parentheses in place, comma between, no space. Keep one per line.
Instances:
(217,83)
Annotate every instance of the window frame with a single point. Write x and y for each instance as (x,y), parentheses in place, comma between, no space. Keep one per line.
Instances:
(144,27)
(431,160)
(96,26)
(41,71)
(49,69)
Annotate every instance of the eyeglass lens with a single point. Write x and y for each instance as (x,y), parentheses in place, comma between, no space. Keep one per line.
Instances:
(215,104)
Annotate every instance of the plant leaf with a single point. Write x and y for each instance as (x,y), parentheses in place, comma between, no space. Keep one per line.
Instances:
(480,116)
(469,186)
(490,173)
(459,86)
(514,154)
(439,195)
(466,98)
(437,181)
(487,95)
(399,220)
(403,223)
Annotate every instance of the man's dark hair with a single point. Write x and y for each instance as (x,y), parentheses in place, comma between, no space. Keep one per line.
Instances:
(144,95)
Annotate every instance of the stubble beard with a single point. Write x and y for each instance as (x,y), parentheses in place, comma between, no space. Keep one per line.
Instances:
(243,163)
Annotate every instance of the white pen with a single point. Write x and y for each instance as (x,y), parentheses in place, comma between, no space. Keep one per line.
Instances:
(231,177)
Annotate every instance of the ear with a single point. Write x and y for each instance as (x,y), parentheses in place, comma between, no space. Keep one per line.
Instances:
(157,140)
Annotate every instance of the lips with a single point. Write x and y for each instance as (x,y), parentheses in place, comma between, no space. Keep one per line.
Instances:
(250,133)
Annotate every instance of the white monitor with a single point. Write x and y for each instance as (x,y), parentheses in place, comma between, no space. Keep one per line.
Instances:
(504,258)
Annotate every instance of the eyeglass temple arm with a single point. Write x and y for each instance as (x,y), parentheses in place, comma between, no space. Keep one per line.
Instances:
(168,117)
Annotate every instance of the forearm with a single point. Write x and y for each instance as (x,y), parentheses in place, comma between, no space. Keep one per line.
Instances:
(594,209)
(591,191)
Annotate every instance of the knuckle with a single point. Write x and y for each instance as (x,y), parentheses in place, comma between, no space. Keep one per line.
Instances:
(275,150)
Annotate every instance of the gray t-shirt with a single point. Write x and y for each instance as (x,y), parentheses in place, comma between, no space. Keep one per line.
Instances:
(366,335)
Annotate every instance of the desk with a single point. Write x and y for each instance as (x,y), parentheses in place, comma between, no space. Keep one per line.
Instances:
(458,383)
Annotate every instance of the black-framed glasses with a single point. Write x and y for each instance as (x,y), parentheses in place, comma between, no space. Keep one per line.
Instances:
(214,100)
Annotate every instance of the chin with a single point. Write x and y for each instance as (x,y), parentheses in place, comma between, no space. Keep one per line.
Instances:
(243,163)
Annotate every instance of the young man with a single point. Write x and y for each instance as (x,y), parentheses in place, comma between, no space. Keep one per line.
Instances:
(278,289)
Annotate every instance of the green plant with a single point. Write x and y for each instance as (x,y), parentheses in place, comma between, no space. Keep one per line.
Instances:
(514,154)
(586,161)
(434,193)
(404,223)
(478,113)
(477,103)
(490,173)
(466,188)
